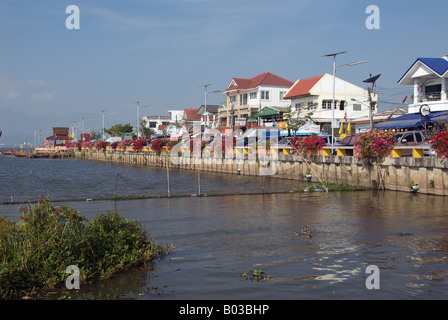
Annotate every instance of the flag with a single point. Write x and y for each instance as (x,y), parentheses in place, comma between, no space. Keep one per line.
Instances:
(348,128)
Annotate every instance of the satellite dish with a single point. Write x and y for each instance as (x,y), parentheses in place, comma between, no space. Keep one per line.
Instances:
(372,79)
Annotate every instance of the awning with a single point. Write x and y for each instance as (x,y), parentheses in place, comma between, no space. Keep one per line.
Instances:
(267,112)
(410,120)
(271,111)
(443,116)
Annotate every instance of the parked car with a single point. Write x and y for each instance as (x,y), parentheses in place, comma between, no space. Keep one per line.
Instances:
(348,141)
(410,139)
(285,142)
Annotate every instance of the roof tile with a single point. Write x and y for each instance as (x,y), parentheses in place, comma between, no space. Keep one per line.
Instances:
(302,87)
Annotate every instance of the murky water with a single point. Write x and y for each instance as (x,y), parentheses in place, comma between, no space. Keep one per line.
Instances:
(218,238)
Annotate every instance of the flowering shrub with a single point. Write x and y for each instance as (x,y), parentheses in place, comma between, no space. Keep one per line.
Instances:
(114,145)
(87,144)
(124,143)
(100,145)
(74,144)
(440,143)
(308,143)
(139,144)
(214,143)
(171,143)
(374,146)
(157,145)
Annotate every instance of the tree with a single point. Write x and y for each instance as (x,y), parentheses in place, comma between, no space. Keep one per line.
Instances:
(147,132)
(120,130)
(296,118)
(95,135)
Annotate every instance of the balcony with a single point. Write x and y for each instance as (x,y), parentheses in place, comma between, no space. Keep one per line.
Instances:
(435,100)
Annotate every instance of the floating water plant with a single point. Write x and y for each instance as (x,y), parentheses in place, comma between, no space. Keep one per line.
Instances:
(256,274)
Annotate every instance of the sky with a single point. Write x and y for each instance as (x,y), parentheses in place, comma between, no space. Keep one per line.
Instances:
(161,52)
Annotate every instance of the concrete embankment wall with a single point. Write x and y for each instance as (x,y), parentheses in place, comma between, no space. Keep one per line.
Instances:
(394,174)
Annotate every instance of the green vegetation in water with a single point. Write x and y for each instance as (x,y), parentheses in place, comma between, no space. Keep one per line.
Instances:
(309,187)
(256,274)
(36,250)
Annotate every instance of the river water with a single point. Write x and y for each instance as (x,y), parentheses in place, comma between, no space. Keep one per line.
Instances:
(217,238)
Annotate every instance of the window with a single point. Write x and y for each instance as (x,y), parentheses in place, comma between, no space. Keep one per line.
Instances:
(232,98)
(342,105)
(409,137)
(433,89)
(418,137)
(243,99)
(264,95)
(253,95)
(356,107)
(326,104)
(312,105)
(282,94)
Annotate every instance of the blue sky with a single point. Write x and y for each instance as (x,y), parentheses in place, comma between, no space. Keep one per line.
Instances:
(161,51)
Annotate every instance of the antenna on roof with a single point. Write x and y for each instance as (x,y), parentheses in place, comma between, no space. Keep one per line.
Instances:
(371,80)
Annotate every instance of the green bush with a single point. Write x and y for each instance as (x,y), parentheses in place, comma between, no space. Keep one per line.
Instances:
(35,251)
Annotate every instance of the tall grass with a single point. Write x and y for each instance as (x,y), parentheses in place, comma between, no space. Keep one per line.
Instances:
(36,250)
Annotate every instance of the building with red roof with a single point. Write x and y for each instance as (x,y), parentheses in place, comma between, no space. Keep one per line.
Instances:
(246,97)
(315,95)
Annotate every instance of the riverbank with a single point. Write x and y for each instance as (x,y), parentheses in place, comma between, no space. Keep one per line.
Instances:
(398,174)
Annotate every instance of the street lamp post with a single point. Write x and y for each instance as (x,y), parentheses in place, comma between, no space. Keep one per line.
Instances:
(205,95)
(138,116)
(334,94)
(333,106)
(104,137)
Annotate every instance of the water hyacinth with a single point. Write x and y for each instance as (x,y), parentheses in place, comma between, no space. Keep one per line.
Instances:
(374,146)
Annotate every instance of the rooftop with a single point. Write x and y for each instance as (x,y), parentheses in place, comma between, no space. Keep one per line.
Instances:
(438,66)
(302,87)
(265,79)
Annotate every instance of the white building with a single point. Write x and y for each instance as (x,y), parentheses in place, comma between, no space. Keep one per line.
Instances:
(246,97)
(158,123)
(428,76)
(155,122)
(316,95)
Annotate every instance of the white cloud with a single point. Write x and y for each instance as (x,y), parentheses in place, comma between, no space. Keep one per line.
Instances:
(45,96)
(10,94)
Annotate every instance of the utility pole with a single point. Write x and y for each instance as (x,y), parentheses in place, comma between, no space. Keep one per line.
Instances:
(371,80)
